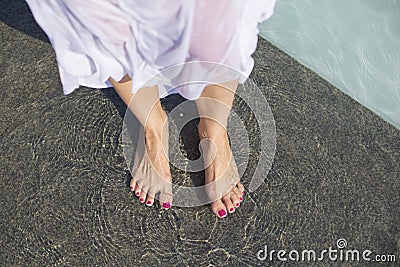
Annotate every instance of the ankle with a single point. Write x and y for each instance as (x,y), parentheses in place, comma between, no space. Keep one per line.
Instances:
(209,128)
(156,122)
(153,134)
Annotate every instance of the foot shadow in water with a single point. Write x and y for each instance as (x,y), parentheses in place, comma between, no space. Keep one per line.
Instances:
(189,139)
(188,136)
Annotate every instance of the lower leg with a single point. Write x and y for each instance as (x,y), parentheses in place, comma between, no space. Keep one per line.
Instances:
(145,104)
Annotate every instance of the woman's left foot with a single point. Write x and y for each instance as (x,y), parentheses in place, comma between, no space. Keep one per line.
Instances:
(221,176)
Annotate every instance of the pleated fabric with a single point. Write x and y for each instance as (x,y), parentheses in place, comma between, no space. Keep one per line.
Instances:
(97,39)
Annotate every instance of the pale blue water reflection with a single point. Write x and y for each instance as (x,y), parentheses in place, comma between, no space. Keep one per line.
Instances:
(353,44)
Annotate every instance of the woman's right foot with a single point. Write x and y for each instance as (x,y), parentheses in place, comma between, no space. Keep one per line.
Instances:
(151,173)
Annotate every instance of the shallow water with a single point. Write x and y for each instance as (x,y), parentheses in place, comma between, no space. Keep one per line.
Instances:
(353,44)
(64,196)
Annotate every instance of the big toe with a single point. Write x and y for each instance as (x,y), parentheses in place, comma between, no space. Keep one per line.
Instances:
(166,199)
(219,208)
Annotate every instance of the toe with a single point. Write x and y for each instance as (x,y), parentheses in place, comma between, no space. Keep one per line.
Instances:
(240,187)
(219,208)
(143,195)
(228,203)
(235,199)
(150,198)
(166,199)
(238,193)
(138,190)
(132,185)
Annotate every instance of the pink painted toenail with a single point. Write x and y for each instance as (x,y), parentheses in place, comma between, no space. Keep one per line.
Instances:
(137,193)
(231,209)
(166,205)
(237,204)
(243,193)
(148,202)
(222,213)
(241,198)
(131,188)
(141,200)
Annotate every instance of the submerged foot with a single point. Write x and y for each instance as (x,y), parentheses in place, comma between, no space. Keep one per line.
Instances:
(151,174)
(222,179)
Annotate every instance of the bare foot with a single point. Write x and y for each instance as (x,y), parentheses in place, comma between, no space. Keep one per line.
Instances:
(222,178)
(150,172)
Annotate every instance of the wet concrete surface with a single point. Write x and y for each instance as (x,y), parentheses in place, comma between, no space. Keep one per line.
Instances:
(64,196)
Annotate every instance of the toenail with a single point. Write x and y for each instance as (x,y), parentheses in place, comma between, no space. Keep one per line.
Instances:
(222,213)
(243,193)
(137,193)
(131,188)
(231,209)
(166,205)
(240,198)
(141,200)
(237,204)
(148,202)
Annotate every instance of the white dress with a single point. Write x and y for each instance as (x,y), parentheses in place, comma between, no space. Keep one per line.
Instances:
(98,39)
